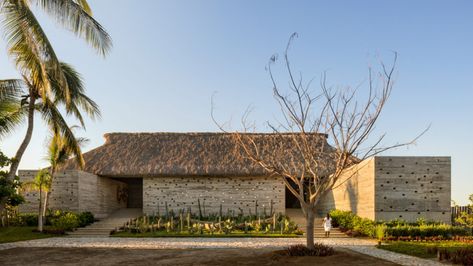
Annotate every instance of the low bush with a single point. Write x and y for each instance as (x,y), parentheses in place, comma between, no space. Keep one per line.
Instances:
(353,224)
(66,222)
(25,219)
(85,218)
(320,250)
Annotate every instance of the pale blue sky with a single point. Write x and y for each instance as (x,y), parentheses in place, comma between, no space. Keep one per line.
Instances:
(169,57)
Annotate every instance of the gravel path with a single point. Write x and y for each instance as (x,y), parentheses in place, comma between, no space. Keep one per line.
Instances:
(364,246)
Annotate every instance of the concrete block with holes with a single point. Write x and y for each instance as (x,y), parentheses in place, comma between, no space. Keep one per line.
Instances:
(388,187)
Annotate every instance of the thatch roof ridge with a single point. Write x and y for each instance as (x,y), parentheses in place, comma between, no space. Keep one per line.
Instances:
(111,136)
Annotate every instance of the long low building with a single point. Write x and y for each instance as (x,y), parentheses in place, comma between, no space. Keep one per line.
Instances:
(180,171)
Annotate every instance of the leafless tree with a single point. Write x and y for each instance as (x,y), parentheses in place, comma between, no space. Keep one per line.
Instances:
(310,117)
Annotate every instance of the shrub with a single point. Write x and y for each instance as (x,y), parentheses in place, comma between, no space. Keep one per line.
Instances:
(66,222)
(26,219)
(85,218)
(355,225)
(445,231)
(320,250)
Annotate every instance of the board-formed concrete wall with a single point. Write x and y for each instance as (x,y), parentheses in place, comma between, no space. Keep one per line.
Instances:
(354,192)
(409,188)
(232,193)
(76,191)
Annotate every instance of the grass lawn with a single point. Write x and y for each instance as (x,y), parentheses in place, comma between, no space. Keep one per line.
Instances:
(419,249)
(186,234)
(14,233)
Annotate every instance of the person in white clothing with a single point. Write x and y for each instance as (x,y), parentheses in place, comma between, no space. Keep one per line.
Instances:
(327,224)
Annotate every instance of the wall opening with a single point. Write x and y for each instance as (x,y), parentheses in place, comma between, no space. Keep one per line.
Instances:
(134,191)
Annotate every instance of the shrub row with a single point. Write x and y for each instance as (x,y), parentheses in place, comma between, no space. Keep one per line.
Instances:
(443,230)
(62,220)
(357,226)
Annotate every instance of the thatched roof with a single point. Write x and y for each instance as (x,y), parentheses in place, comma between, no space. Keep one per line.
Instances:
(187,154)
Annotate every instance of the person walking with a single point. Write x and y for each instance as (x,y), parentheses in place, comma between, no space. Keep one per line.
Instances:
(327,224)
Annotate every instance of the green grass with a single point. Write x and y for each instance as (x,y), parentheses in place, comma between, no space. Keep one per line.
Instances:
(186,234)
(14,233)
(419,249)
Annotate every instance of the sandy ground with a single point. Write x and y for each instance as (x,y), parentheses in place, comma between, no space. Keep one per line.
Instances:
(101,256)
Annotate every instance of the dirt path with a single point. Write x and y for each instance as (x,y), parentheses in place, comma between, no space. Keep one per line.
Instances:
(101,256)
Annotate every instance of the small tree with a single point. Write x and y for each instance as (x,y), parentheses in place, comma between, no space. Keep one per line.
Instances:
(307,112)
(59,151)
(41,183)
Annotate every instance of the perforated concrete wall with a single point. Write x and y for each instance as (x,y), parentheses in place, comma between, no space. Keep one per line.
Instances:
(412,187)
(76,191)
(387,188)
(232,193)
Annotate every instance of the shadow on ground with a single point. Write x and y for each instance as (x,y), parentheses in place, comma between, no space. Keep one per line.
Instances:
(101,256)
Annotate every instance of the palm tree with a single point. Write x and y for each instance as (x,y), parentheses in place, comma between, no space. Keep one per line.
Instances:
(42,183)
(48,81)
(59,151)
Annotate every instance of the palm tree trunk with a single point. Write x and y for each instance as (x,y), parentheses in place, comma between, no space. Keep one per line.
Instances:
(45,206)
(40,214)
(29,133)
(46,199)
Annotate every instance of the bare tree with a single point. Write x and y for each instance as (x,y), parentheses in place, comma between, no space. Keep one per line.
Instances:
(310,117)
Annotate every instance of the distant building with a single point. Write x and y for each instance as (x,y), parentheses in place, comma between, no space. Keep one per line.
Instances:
(178,171)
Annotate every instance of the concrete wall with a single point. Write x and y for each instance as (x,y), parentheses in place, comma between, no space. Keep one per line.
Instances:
(354,192)
(387,188)
(233,193)
(76,191)
(413,187)
(64,194)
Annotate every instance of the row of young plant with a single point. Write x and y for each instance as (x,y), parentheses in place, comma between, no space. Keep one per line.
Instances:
(186,222)
(463,256)
(396,229)
(57,221)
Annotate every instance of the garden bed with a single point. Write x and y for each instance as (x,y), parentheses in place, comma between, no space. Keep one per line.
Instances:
(187,224)
(187,234)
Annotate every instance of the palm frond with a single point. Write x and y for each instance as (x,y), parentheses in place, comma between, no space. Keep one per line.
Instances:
(29,46)
(75,15)
(11,112)
(78,101)
(59,126)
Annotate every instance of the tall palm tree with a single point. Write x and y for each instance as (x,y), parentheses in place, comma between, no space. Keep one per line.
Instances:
(48,81)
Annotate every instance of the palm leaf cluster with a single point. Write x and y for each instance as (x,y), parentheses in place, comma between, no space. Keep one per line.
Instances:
(48,85)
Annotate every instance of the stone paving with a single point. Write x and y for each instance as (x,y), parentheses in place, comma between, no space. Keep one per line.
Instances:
(364,246)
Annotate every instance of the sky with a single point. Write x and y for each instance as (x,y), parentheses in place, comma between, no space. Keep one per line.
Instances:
(171,57)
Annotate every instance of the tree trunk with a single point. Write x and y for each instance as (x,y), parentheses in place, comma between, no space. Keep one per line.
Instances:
(310,216)
(45,206)
(40,214)
(29,133)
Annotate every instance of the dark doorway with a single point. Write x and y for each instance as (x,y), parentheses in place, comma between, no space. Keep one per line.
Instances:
(291,201)
(135,191)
